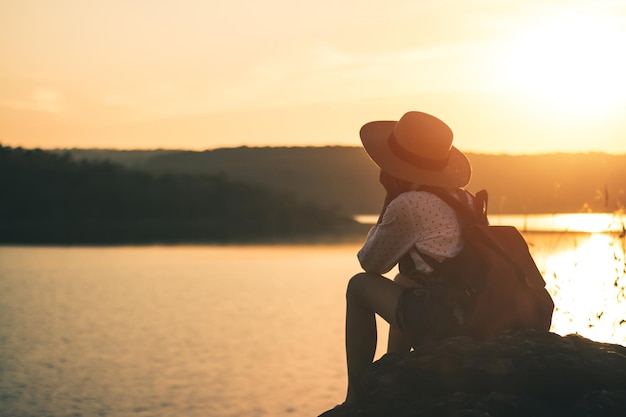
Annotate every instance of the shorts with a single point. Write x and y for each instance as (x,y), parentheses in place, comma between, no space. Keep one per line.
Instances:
(428,312)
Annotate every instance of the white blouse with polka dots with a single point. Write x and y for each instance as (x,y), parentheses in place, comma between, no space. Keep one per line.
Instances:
(414,219)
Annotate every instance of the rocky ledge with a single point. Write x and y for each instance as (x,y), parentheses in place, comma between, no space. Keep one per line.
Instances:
(521,374)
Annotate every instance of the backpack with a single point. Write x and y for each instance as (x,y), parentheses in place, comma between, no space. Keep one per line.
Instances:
(494,278)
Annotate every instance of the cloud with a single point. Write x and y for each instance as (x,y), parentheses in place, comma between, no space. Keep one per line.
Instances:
(42,99)
(326,73)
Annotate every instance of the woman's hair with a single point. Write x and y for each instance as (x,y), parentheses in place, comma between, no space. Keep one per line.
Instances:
(404,185)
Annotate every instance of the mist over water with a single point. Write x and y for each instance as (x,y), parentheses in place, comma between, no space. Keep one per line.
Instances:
(225,331)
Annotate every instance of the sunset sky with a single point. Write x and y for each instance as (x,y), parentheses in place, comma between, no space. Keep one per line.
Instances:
(513,76)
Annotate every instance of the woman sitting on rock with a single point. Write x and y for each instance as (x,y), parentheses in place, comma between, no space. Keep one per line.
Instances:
(413,152)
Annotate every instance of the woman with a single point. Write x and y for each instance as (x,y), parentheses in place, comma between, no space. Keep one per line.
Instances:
(414,152)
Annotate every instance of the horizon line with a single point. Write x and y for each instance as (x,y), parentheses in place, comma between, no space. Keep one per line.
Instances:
(173,149)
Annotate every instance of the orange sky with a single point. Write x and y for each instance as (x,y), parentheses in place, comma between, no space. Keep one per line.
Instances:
(518,76)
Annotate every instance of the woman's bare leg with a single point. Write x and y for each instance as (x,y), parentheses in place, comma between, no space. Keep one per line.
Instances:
(397,342)
(367,294)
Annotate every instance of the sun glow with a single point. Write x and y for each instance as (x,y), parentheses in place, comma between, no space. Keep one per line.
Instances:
(587,284)
(556,222)
(570,64)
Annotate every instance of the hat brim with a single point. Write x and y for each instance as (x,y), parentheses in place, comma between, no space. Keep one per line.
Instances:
(375,135)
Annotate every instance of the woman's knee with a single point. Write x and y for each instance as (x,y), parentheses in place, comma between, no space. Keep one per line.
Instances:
(374,293)
(358,284)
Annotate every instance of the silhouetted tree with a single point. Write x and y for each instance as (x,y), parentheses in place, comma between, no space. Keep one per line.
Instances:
(46,197)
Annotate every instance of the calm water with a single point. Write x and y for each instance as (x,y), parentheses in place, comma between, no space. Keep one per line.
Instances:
(223,331)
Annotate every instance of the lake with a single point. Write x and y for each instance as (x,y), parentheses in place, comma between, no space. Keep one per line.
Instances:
(225,330)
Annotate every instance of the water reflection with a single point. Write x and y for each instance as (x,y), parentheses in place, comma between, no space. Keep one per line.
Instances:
(585,275)
(555,222)
(563,222)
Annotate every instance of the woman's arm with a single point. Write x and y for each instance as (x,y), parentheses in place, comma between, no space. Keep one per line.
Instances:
(389,239)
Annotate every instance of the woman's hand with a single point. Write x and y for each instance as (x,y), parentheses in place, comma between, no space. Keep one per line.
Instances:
(393,186)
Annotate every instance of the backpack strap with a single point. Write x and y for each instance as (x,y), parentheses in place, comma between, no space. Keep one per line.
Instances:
(471,209)
(481,202)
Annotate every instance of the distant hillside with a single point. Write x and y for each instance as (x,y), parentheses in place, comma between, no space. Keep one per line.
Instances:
(50,198)
(341,178)
(345,179)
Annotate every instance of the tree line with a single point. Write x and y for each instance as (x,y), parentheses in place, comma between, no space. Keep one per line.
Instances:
(48,197)
(345,177)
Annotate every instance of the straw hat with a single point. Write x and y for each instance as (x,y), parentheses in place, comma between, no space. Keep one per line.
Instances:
(417,148)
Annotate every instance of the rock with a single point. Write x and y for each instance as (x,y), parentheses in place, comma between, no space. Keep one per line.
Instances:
(523,373)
